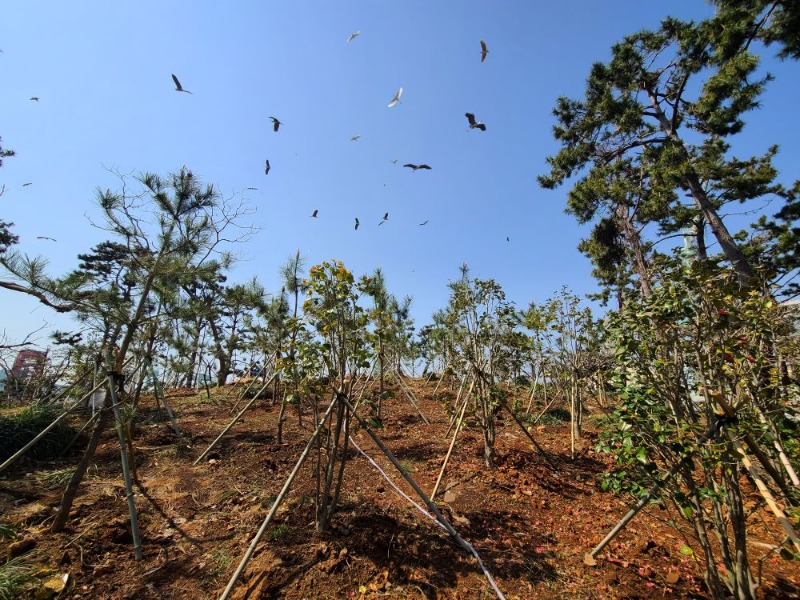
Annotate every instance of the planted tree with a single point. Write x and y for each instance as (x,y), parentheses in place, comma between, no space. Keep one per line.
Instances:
(650,143)
(698,398)
(331,307)
(479,316)
(163,233)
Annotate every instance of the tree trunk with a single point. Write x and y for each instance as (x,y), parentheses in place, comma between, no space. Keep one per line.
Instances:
(72,487)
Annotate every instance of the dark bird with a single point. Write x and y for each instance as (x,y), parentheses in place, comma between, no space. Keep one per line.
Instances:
(252,188)
(423,223)
(178,86)
(314,214)
(415,167)
(27,184)
(267,167)
(385,218)
(508,240)
(275,124)
(357,223)
(394,162)
(355,138)
(354,35)
(484,51)
(44,237)
(473,124)
(35,98)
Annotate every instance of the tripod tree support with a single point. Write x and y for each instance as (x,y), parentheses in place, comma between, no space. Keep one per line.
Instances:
(275,505)
(235,419)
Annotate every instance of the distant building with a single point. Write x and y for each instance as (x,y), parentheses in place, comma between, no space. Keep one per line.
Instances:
(28,364)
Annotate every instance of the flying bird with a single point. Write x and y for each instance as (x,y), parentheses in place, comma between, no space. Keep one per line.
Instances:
(353,36)
(44,237)
(394,162)
(275,124)
(423,223)
(27,184)
(357,223)
(396,98)
(415,167)
(385,218)
(251,188)
(484,51)
(314,214)
(178,86)
(355,138)
(508,240)
(473,124)
(267,167)
(35,98)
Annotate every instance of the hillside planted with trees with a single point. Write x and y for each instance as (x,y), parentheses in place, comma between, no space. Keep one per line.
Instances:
(258,434)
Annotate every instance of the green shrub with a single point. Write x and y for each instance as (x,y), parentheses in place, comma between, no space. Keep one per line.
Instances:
(20,428)
(551,417)
(14,574)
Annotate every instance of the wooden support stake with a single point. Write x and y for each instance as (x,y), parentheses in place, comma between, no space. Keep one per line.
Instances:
(453,442)
(428,502)
(275,505)
(17,455)
(235,419)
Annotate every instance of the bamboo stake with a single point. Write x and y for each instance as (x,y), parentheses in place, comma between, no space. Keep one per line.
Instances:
(763,459)
(781,454)
(235,419)
(438,383)
(453,442)
(126,472)
(455,404)
(247,389)
(77,435)
(410,397)
(275,505)
(160,392)
(589,558)
(428,502)
(529,436)
(10,461)
(765,493)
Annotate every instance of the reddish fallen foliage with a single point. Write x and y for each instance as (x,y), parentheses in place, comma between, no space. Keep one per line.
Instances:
(531,525)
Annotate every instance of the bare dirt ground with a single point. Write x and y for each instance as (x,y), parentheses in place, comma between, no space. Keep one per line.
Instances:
(530,523)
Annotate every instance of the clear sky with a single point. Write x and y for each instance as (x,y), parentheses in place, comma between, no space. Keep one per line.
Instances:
(102,73)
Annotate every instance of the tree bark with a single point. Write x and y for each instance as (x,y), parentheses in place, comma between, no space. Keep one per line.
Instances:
(72,487)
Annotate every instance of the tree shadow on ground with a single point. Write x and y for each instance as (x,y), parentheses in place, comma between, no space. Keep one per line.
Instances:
(508,546)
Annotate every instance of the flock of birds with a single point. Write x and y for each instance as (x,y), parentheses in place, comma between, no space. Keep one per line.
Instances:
(276,123)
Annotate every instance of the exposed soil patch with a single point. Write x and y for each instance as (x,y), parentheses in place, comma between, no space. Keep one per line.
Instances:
(530,524)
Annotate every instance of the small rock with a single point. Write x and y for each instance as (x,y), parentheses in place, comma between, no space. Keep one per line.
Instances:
(673,577)
(21,547)
(449,497)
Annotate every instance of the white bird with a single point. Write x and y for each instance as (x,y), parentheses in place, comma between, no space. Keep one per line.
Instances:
(396,98)
(355,138)
(353,36)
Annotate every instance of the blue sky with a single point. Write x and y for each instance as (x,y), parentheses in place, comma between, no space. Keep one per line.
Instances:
(102,73)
